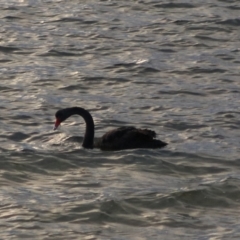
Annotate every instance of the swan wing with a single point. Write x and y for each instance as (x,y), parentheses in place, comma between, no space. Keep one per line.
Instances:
(128,138)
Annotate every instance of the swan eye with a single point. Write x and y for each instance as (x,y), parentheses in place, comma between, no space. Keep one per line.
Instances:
(59,115)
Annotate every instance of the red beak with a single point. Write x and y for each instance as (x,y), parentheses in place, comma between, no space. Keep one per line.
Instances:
(57,123)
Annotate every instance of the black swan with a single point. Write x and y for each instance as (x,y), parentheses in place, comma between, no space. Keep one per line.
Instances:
(116,139)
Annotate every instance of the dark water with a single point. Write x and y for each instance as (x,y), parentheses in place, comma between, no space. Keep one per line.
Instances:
(171,66)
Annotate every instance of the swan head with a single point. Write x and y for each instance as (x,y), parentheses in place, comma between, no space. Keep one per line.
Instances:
(61,115)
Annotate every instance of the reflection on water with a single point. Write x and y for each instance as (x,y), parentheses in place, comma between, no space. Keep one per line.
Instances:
(169,67)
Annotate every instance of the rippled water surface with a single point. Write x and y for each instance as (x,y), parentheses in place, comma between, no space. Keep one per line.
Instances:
(170,66)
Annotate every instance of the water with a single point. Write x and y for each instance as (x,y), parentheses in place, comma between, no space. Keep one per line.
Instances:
(171,66)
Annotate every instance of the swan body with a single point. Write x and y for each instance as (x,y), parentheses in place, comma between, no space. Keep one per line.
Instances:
(116,139)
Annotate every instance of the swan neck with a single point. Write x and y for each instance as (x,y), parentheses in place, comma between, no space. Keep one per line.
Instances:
(89,132)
